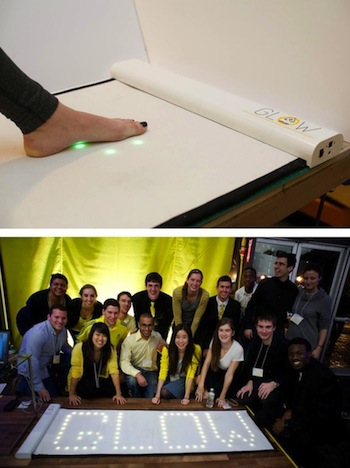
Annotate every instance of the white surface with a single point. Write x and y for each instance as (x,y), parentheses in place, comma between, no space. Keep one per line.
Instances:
(68,43)
(180,163)
(32,441)
(293,134)
(80,432)
(292,55)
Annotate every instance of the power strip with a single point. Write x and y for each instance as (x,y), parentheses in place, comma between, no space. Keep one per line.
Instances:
(32,441)
(281,130)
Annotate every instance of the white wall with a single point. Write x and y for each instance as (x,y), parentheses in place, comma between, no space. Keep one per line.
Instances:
(291,55)
(68,43)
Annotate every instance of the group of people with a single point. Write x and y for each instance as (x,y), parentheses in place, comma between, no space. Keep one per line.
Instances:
(261,348)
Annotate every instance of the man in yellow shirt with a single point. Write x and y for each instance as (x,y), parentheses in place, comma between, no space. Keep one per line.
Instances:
(110,314)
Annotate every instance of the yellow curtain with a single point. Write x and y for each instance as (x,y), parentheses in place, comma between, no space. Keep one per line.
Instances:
(111,264)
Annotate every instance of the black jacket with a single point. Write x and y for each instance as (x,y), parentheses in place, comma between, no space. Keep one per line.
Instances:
(314,396)
(210,318)
(273,296)
(36,310)
(163,306)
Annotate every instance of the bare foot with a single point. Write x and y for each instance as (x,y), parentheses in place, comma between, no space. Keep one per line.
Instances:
(67,126)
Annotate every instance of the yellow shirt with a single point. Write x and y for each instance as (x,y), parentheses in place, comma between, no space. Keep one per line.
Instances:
(191,370)
(177,308)
(77,364)
(138,352)
(81,323)
(118,333)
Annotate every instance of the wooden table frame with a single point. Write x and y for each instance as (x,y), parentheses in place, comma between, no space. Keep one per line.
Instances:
(274,205)
(262,459)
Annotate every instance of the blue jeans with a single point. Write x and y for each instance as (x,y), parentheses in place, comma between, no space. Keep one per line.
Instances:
(142,392)
(176,387)
(55,384)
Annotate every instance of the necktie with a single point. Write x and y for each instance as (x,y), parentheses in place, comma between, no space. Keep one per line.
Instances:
(221,311)
(152,309)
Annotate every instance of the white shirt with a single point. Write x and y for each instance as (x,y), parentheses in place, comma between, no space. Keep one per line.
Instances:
(235,353)
(244,297)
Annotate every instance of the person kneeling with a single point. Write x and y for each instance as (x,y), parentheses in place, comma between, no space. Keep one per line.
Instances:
(221,363)
(178,366)
(94,370)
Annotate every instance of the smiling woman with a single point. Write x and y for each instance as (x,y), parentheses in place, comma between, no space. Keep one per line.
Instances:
(83,309)
(190,301)
(221,363)
(94,371)
(39,303)
(178,367)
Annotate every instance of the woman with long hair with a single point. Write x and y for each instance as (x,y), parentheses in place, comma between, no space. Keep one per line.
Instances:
(83,309)
(222,361)
(178,367)
(94,369)
(190,301)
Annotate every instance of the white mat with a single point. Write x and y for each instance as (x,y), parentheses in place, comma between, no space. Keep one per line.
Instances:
(288,133)
(182,162)
(82,432)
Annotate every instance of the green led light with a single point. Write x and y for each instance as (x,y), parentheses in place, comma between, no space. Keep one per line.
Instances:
(111,151)
(80,145)
(137,142)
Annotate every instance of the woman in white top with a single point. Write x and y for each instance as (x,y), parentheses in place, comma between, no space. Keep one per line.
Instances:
(221,363)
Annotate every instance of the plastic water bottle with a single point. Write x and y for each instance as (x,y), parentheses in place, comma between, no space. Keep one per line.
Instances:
(210,399)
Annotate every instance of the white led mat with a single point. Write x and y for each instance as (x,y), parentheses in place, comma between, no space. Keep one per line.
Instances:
(80,432)
(136,183)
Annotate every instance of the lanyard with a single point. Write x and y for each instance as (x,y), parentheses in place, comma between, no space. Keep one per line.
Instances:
(297,304)
(97,373)
(257,359)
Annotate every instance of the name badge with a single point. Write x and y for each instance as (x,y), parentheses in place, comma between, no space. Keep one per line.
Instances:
(296,318)
(56,359)
(257,372)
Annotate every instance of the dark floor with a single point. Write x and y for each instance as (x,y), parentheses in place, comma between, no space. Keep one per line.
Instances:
(300,220)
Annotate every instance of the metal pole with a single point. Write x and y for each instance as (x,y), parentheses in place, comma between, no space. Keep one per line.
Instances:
(29,357)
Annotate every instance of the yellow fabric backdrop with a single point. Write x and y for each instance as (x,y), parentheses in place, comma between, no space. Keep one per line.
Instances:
(111,264)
